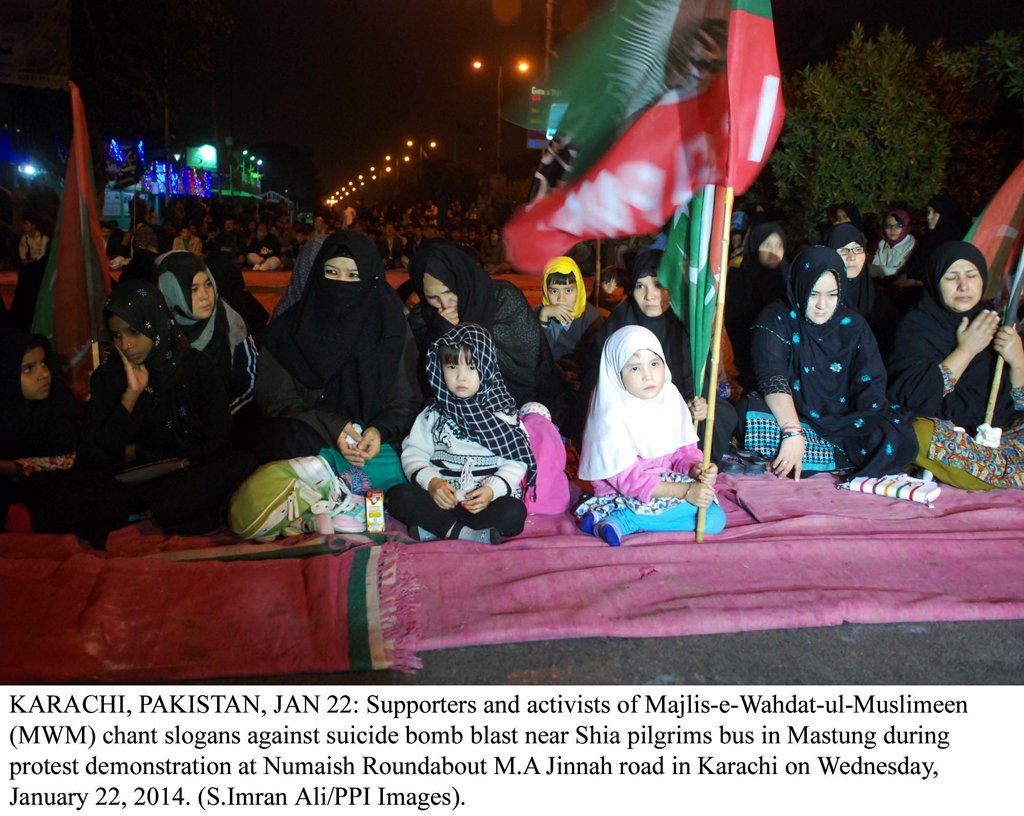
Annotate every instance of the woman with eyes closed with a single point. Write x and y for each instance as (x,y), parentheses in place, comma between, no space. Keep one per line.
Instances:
(156,398)
(942,368)
(820,403)
(454,289)
(337,370)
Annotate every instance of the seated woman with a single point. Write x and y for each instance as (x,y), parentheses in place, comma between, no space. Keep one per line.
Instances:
(862,293)
(942,370)
(896,247)
(155,399)
(648,306)
(454,289)
(338,368)
(760,279)
(264,250)
(821,401)
(209,323)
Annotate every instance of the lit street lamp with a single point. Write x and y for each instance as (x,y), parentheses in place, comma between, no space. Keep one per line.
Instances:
(522,67)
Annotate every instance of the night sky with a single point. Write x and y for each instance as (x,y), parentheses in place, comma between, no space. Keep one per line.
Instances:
(352,79)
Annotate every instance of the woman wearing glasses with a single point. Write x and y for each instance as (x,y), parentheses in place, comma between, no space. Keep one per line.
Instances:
(896,246)
(863,295)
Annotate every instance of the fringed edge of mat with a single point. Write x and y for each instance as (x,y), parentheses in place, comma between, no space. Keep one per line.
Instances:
(399,602)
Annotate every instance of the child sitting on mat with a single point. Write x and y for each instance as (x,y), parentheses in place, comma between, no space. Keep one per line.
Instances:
(467,452)
(638,446)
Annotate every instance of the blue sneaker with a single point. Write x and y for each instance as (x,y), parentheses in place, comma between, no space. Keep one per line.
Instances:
(587,523)
(610,532)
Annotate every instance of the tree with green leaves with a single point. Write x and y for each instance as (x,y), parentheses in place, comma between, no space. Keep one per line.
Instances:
(862,128)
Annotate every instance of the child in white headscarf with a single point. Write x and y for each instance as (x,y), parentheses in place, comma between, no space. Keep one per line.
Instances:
(640,448)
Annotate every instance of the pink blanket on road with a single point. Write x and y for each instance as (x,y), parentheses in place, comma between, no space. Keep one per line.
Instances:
(792,556)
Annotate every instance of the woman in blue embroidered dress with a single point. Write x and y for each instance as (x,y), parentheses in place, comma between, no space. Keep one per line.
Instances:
(821,403)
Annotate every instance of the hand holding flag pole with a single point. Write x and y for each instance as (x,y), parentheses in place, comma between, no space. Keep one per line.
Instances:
(1009,319)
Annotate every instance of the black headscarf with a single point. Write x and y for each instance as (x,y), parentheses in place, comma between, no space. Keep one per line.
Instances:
(45,427)
(927,335)
(948,228)
(670,331)
(852,212)
(751,288)
(860,291)
(343,337)
(463,276)
(834,370)
(141,305)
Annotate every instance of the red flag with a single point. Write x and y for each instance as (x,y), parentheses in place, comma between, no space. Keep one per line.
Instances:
(999,231)
(77,279)
(720,130)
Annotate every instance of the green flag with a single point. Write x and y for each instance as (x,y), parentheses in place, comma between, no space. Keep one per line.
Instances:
(685,271)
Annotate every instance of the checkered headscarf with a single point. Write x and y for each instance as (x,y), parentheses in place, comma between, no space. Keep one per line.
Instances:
(477,417)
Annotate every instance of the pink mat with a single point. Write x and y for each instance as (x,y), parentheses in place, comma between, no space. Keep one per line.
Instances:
(792,556)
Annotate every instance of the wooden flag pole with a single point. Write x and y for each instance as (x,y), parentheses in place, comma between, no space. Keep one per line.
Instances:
(1009,318)
(723,216)
(597,272)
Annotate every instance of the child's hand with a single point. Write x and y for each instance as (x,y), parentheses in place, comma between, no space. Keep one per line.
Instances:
(698,408)
(705,474)
(699,494)
(561,312)
(442,493)
(477,500)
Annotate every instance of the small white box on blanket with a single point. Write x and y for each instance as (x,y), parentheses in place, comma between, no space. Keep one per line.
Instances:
(900,486)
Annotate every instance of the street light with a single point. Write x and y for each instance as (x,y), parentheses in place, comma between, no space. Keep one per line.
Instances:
(523,67)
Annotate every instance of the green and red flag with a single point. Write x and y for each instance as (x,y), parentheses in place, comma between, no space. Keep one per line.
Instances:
(999,232)
(686,272)
(663,97)
(76,283)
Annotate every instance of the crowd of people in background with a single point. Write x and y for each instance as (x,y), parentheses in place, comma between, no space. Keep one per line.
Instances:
(861,350)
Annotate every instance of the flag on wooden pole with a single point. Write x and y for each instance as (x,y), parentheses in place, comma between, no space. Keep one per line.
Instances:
(76,283)
(649,120)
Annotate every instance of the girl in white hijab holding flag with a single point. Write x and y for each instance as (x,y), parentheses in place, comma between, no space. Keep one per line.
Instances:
(640,449)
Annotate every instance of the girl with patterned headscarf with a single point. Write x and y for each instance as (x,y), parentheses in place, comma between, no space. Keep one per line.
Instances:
(155,398)
(467,452)
(821,401)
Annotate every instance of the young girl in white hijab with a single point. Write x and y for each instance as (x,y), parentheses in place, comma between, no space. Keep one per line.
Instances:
(640,448)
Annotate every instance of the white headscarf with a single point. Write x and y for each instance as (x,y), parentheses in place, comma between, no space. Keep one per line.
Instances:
(621,427)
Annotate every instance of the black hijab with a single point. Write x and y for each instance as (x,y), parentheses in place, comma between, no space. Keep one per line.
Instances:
(927,335)
(463,276)
(860,291)
(835,371)
(141,305)
(852,212)
(752,287)
(828,373)
(343,337)
(670,331)
(46,427)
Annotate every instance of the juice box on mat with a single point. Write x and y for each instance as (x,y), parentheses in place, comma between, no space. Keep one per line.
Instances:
(375,511)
